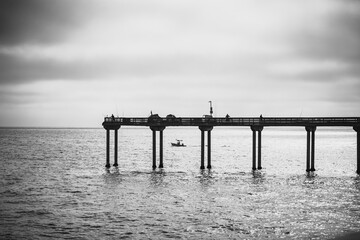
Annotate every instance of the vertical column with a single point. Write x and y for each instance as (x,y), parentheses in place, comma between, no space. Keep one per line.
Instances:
(358,150)
(257,128)
(209,149)
(107,148)
(310,148)
(154,129)
(116,149)
(161,165)
(357,129)
(202,149)
(307,150)
(313,149)
(254,149)
(208,130)
(259,149)
(154,149)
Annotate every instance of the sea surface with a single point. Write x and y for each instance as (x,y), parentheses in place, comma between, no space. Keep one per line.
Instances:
(54,185)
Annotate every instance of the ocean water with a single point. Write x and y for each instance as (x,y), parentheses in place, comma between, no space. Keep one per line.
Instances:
(54,185)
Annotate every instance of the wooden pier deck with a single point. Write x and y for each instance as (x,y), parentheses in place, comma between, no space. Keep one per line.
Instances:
(207,123)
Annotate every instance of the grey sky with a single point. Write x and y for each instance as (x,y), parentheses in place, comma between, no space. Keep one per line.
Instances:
(69,63)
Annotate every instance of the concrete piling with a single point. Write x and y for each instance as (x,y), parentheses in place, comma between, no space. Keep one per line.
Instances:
(115,128)
(154,149)
(204,129)
(357,129)
(107,148)
(259,150)
(202,165)
(116,149)
(209,149)
(161,164)
(254,129)
(161,145)
(307,151)
(310,148)
(254,150)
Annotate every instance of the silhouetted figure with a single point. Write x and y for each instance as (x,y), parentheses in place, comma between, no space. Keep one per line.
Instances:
(227,117)
(261,117)
(112,117)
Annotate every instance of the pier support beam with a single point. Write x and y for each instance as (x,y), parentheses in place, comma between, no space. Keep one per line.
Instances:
(254,150)
(107,148)
(115,128)
(154,130)
(259,149)
(202,165)
(256,129)
(161,165)
(357,129)
(209,150)
(204,129)
(154,149)
(307,151)
(116,148)
(310,148)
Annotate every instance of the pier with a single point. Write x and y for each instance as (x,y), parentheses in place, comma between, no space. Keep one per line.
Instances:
(207,123)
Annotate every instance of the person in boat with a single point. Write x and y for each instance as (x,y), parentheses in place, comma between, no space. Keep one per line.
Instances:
(178,143)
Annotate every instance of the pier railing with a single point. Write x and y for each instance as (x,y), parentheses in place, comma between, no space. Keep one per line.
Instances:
(233,121)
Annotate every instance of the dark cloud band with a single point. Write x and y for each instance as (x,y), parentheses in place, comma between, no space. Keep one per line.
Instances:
(37,21)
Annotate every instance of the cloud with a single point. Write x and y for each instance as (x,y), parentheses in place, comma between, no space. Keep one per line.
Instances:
(328,42)
(18,69)
(336,36)
(38,21)
(137,39)
(248,56)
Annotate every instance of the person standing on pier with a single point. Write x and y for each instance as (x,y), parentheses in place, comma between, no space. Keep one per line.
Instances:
(227,117)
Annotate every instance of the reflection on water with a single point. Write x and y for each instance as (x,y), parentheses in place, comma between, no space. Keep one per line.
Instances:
(259,177)
(112,176)
(206,178)
(157,178)
(54,184)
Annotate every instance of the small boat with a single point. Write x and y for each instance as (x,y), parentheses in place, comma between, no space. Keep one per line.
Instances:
(178,143)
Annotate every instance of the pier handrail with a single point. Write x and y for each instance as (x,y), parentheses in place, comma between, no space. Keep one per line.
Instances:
(232,121)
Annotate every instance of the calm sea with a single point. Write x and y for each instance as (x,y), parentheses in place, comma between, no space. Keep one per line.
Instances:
(54,185)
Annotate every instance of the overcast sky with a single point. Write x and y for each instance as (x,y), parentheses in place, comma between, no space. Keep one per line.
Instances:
(70,63)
